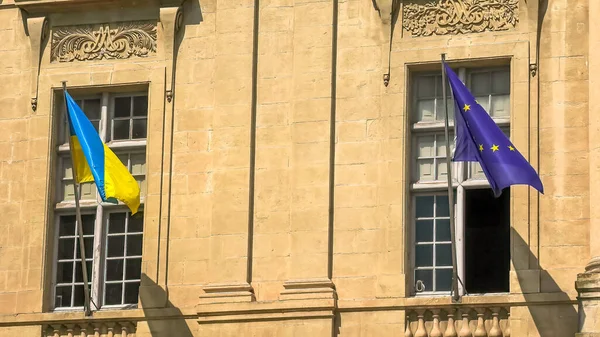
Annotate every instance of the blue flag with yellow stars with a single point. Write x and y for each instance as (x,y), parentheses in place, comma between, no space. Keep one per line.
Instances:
(478,138)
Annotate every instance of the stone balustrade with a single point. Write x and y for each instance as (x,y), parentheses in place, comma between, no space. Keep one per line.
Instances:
(458,322)
(90,329)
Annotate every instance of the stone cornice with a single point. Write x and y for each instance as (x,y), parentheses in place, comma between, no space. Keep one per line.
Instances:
(57,6)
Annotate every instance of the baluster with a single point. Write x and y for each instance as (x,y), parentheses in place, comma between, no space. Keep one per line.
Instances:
(97,330)
(70,328)
(49,331)
(450,329)
(111,328)
(435,330)
(56,330)
(495,329)
(124,332)
(465,330)
(408,332)
(83,330)
(507,328)
(421,332)
(480,330)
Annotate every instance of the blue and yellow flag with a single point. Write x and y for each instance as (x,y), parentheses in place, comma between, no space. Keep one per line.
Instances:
(478,138)
(94,161)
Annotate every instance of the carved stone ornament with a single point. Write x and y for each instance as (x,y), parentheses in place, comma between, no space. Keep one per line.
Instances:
(106,41)
(440,17)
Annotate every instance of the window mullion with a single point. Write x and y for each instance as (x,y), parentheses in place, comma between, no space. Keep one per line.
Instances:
(104,117)
(97,254)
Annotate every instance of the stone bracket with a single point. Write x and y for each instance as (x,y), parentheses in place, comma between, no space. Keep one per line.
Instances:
(384,7)
(227,293)
(38,29)
(171,19)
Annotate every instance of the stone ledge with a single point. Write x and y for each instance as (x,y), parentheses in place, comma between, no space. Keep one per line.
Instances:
(286,309)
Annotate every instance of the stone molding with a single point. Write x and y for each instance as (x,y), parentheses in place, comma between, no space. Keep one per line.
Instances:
(442,17)
(105,41)
(227,293)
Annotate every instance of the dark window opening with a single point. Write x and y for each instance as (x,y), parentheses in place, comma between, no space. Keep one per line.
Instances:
(487,241)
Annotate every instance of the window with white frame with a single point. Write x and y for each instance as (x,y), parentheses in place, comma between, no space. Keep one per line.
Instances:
(482,221)
(112,236)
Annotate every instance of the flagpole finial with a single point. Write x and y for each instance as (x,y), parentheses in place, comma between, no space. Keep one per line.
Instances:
(64,85)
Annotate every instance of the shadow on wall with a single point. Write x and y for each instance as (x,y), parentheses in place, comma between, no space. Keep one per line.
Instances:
(550,320)
(157,324)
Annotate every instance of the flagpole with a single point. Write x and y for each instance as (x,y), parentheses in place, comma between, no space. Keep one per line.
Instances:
(455,294)
(86,289)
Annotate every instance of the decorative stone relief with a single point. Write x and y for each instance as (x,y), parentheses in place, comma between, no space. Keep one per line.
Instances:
(440,17)
(106,41)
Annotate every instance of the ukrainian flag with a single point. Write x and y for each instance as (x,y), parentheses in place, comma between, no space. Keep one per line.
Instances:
(94,161)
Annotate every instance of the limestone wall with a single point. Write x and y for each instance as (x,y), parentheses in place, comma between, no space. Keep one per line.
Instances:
(277,162)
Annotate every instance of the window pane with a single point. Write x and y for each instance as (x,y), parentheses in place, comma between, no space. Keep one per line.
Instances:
(426,86)
(87,191)
(88,244)
(501,82)
(131,292)
(424,206)
(426,110)
(121,129)
(424,256)
(425,170)
(138,163)
(140,106)
(133,270)
(136,223)
(91,108)
(64,272)
(484,101)
(443,279)
(442,230)
(139,128)
(115,246)
(441,144)
(480,83)
(425,276)
(424,231)
(426,146)
(66,225)
(443,255)
(500,106)
(114,270)
(116,223)
(63,296)
(113,293)
(122,107)
(88,221)
(134,245)
(441,206)
(66,248)
(78,269)
(78,296)
(124,158)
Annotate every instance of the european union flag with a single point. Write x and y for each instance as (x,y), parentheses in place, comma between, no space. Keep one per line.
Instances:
(478,138)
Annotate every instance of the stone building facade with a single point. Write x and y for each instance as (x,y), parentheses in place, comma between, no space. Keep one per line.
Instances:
(291,159)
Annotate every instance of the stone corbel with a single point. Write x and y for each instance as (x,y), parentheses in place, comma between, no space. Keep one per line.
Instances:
(171,19)
(38,30)
(384,7)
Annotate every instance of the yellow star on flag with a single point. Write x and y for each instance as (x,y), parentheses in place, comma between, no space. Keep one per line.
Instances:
(495,148)
(510,147)
(467,107)
(481,147)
